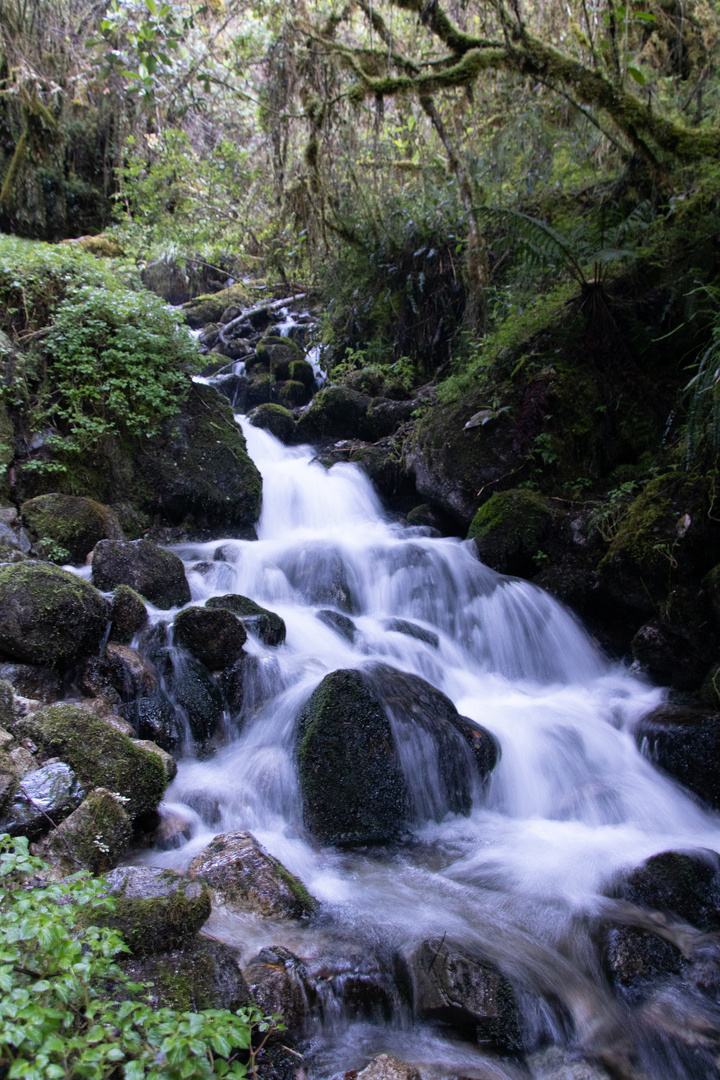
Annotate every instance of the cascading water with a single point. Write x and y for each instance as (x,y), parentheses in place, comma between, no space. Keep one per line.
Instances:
(520,880)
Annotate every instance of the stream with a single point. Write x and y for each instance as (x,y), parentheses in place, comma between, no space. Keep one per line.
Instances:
(520,882)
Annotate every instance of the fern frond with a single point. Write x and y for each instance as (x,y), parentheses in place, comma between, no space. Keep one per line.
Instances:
(538,239)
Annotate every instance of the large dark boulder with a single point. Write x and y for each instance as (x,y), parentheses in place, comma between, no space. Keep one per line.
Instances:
(268,626)
(204,974)
(72,522)
(128,615)
(319,575)
(99,755)
(511,530)
(156,574)
(275,419)
(336,413)
(352,783)
(196,694)
(155,718)
(685,743)
(47,794)
(215,637)
(49,616)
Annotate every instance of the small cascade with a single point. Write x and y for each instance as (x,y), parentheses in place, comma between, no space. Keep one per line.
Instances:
(515,873)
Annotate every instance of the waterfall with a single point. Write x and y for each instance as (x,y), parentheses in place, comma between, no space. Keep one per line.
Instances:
(570,804)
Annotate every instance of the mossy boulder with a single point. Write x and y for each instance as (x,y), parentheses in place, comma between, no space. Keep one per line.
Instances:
(302,371)
(214,636)
(72,522)
(7,715)
(128,615)
(203,974)
(385,417)
(268,626)
(278,353)
(94,837)
(210,306)
(98,754)
(156,910)
(292,394)
(275,419)
(685,743)
(248,878)
(9,782)
(156,574)
(198,469)
(511,529)
(352,784)
(336,413)
(49,616)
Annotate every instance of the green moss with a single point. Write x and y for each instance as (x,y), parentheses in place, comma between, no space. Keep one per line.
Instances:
(93,838)
(99,755)
(73,522)
(7,717)
(306,901)
(159,924)
(268,626)
(128,614)
(209,307)
(204,975)
(275,419)
(645,530)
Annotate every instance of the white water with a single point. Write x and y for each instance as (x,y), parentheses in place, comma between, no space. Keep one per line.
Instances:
(570,804)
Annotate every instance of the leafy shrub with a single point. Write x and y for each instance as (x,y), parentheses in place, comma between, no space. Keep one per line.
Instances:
(67,1010)
(118,367)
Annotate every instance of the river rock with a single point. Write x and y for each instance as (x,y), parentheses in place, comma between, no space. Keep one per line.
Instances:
(94,837)
(10,775)
(336,413)
(34,682)
(511,528)
(248,878)
(49,616)
(385,417)
(462,751)
(266,625)
(384,1067)
(156,910)
(685,743)
(450,986)
(44,797)
(215,637)
(155,718)
(98,754)
(128,615)
(635,959)
(293,394)
(278,353)
(156,574)
(169,763)
(202,975)
(196,694)
(120,675)
(275,419)
(352,784)
(411,629)
(683,884)
(319,575)
(275,980)
(7,713)
(342,624)
(554,1063)
(73,522)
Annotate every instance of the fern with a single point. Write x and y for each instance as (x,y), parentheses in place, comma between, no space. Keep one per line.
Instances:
(703,423)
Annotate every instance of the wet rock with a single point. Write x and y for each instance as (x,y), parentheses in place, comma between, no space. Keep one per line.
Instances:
(128,615)
(251,683)
(174,830)
(385,417)
(7,714)
(248,878)
(129,674)
(266,625)
(636,958)
(684,884)
(275,419)
(72,522)
(318,573)
(450,986)
(155,910)
(157,575)
(49,616)
(510,529)
(23,761)
(336,413)
(292,394)
(197,695)
(338,622)
(462,751)
(427,517)
(352,784)
(155,718)
(98,754)
(94,837)
(215,637)
(209,307)
(411,629)
(205,805)
(10,774)
(33,682)
(203,975)
(260,389)
(556,1064)
(274,977)
(44,797)
(685,743)
(670,654)
(278,353)
(301,371)
(384,1067)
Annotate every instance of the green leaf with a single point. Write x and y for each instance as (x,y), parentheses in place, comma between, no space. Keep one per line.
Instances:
(637,75)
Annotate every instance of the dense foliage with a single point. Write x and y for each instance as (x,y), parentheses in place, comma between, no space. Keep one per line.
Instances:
(67,1009)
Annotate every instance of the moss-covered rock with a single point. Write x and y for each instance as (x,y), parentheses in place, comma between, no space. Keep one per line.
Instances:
(7,715)
(336,413)
(292,394)
(248,878)
(94,837)
(278,353)
(49,616)
(156,910)
(203,975)
(9,780)
(275,419)
(128,615)
(28,680)
(685,743)
(210,306)
(156,574)
(268,626)
(214,636)
(98,754)
(511,529)
(302,371)
(72,522)
(352,784)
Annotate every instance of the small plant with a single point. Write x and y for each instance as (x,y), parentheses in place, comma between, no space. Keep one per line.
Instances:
(67,1010)
(608,517)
